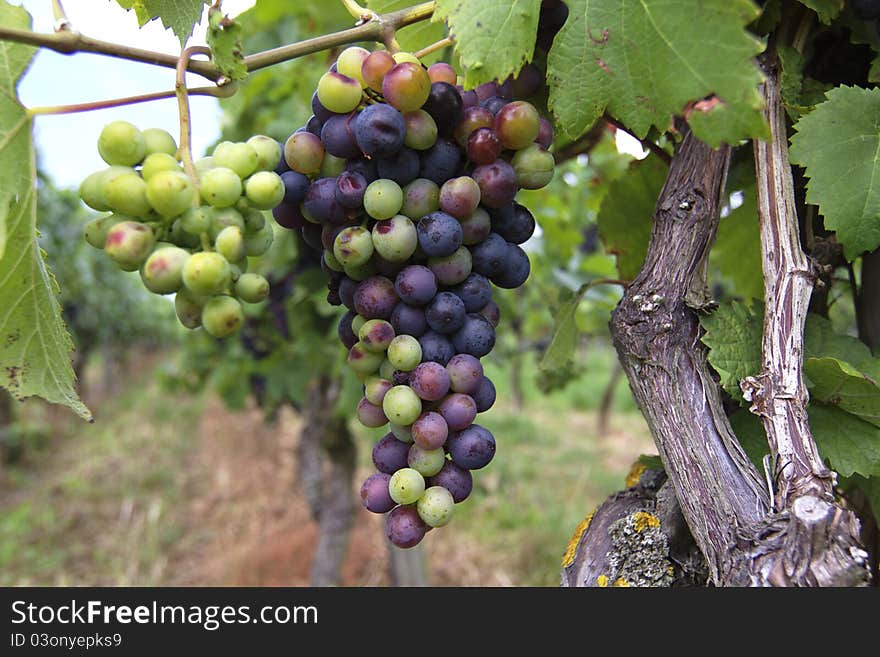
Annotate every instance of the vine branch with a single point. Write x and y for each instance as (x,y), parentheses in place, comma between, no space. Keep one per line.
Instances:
(224,91)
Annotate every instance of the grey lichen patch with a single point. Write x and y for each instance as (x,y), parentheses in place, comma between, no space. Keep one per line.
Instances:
(639,553)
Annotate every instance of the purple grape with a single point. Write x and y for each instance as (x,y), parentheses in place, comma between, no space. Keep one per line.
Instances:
(416,285)
(402,167)
(476,337)
(484,395)
(446,313)
(527,82)
(375,496)
(489,256)
(370,415)
(363,166)
(498,183)
(439,234)
(430,430)
(380,130)
(347,289)
(441,162)
(399,378)
(444,104)
(321,203)
(475,291)
(513,222)
(296,185)
(319,110)
(469,98)
(475,228)
(289,216)
(471,448)
(430,381)
(515,270)
(345,332)
(545,134)
(350,187)
(408,320)
(375,298)
(494,104)
(459,410)
(492,312)
(486,90)
(389,454)
(404,528)
(312,236)
(436,347)
(483,146)
(465,373)
(314,125)
(454,478)
(328,236)
(338,136)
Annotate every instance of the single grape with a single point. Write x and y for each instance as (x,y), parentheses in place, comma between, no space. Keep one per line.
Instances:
(256,243)
(516,269)
(430,381)
(395,239)
(188,307)
(295,187)
(476,337)
(375,298)
(365,167)
(206,273)
(93,188)
(416,285)
(157,140)
(353,246)
(409,320)
(489,256)
(404,353)
(264,190)
(472,448)
(421,130)
(404,528)
(454,478)
(375,389)
(513,222)
(445,313)
(304,152)
(442,72)
(321,203)
(252,288)
(220,219)
(440,162)
(339,93)
(469,98)
(254,220)
(346,334)
(129,243)
(426,462)
(95,231)
(451,269)
(238,156)
(121,143)
(268,152)
(439,234)
(486,90)
(383,199)
(492,312)
(406,86)
(351,61)
(517,124)
(337,135)
(331,166)
(370,415)
(459,411)
(494,104)
(533,166)
(222,316)
(374,493)
(430,429)
(545,134)
(436,347)
(380,130)
(171,193)
(157,162)
(483,146)
(435,506)
(402,167)
(347,289)
(484,395)
(402,405)
(403,434)
(376,335)
(475,291)
(473,118)
(403,56)
(374,68)
(420,197)
(350,188)
(476,227)
(406,486)
(126,193)
(311,235)
(220,187)
(498,183)
(163,270)
(459,197)
(465,373)
(389,454)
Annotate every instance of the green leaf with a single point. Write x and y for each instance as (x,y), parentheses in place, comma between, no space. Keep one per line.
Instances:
(737,249)
(224,39)
(840,384)
(560,352)
(34,344)
(625,215)
(493,39)
(180,16)
(827,10)
(820,339)
(850,444)
(416,36)
(644,60)
(733,335)
(838,144)
(651,461)
(870,487)
(750,433)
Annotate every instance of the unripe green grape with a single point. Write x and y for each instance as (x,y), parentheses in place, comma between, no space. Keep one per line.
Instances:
(420,197)
(360,272)
(268,152)
(339,93)
(188,307)
(121,143)
(252,288)
(95,231)
(264,190)
(332,166)
(240,267)
(386,370)
(402,405)
(406,486)
(196,221)
(436,506)
(357,323)
(206,273)
(126,193)
(156,162)
(129,243)
(427,462)
(403,434)
(452,269)
(163,271)
(254,220)
(220,187)
(353,246)
(350,62)
(222,316)
(304,152)
(158,140)
(220,219)
(383,199)
(230,243)
(171,193)
(517,124)
(93,189)
(401,56)
(362,360)
(533,166)
(421,130)
(258,242)
(375,388)
(178,236)
(404,353)
(395,239)
(204,164)
(238,156)
(331,261)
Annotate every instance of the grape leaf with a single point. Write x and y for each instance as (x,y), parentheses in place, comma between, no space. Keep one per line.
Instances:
(827,10)
(645,60)
(820,340)
(870,487)
(840,384)
(560,351)
(625,214)
(850,444)
(180,16)
(838,144)
(493,39)
(416,36)
(224,38)
(34,343)
(733,335)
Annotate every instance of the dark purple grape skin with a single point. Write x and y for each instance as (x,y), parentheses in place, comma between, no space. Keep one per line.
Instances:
(454,478)
(328,236)
(494,104)
(465,373)
(430,430)
(430,381)
(389,454)
(459,410)
(338,137)
(363,166)
(319,110)
(350,188)
(346,335)
(314,125)
(281,167)
(498,183)
(545,134)
(347,289)
(399,378)
(416,285)
(513,222)
(476,337)
(489,256)
(387,268)
(484,395)
(404,528)
(312,236)
(446,313)
(486,90)
(402,167)
(492,312)
(436,347)
(374,493)
(445,106)
(370,415)
(471,448)
(469,98)
(375,298)
(439,234)
(321,203)
(475,292)
(409,320)
(483,146)
(380,130)
(516,269)
(333,298)
(289,216)
(296,185)
(527,82)
(441,162)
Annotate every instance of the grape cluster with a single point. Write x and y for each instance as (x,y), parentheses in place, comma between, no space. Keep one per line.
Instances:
(405,183)
(189,239)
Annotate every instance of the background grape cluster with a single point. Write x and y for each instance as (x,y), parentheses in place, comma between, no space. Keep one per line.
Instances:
(405,183)
(187,237)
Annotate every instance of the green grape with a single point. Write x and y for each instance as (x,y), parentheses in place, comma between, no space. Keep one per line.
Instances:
(436,506)
(121,143)
(376,335)
(375,388)
(357,323)
(129,243)
(157,140)
(238,156)
(403,434)
(402,405)
(222,316)
(363,361)
(254,220)
(533,166)
(257,243)
(264,190)
(395,239)
(156,162)
(204,164)
(360,272)
(421,130)
(230,243)
(196,221)
(206,273)
(163,271)
(386,369)
(353,246)
(406,486)
(188,307)
(182,238)
(331,261)
(404,353)
(252,288)
(95,231)
(400,57)
(420,197)
(339,93)
(220,187)
(406,86)
(171,193)
(383,199)
(350,62)
(220,219)
(93,189)
(427,462)
(332,166)
(304,152)
(268,152)
(126,193)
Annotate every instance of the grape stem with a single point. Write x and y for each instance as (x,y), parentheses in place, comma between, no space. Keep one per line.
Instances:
(61,21)
(434,47)
(361,14)
(185,150)
(217,92)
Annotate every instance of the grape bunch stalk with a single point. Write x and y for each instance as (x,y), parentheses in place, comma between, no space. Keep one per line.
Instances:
(188,237)
(405,183)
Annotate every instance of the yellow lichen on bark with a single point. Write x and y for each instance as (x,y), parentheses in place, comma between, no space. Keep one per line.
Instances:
(635,473)
(621,583)
(642,520)
(571,550)
(602,581)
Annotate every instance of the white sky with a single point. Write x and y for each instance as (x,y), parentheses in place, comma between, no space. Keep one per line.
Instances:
(66,144)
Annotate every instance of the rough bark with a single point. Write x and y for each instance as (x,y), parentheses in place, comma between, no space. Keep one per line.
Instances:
(657,336)
(309,457)
(407,567)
